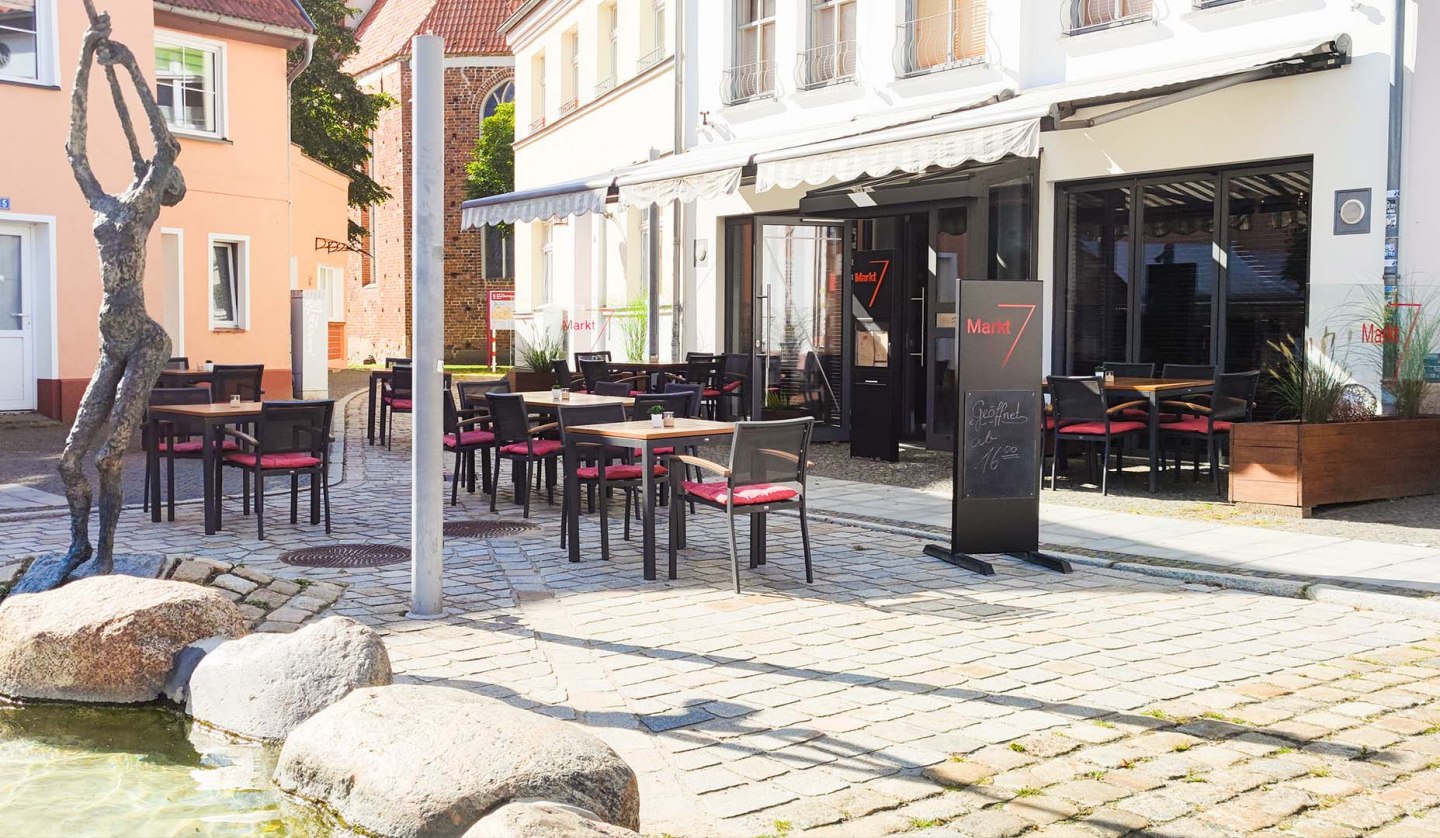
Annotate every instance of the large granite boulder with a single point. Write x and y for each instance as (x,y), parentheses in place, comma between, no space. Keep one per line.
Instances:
(545,819)
(406,761)
(263,685)
(105,639)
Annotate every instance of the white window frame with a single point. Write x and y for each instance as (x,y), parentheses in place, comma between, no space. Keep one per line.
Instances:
(609,49)
(764,29)
(241,249)
(570,86)
(547,262)
(331,280)
(168,37)
(539,108)
(47,49)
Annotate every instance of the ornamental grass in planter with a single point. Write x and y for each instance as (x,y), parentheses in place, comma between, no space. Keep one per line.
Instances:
(533,371)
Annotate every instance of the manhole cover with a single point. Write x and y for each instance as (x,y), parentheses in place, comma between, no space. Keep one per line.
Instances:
(347,555)
(487,529)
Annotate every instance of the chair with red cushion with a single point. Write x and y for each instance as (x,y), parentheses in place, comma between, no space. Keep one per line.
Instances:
(292,438)
(466,431)
(737,369)
(601,469)
(572,381)
(241,380)
(1233,400)
(519,443)
(766,472)
(395,397)
(709,372)
(174,438)
(623,387)
(1083,414)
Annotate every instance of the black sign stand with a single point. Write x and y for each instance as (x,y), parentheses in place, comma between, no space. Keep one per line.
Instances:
(1000,420)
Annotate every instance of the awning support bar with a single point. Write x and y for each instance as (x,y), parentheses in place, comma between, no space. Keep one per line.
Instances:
(1168,99)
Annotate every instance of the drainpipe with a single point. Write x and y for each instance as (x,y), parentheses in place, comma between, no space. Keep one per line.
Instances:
(1395,162)
(677,283)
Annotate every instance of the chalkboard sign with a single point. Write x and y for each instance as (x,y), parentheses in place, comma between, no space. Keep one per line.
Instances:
(999,443)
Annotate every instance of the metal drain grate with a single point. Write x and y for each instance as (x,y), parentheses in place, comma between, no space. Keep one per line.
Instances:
(488,529)
(347,555)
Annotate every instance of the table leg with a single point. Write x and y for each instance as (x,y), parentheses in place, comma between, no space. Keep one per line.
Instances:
(210,438)
(647,488)
(152,459)
(571,490)
(370,413)
(677,517)
(1154,441)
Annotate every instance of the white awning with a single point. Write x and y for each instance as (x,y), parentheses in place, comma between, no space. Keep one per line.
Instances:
(907,148)
(555,201)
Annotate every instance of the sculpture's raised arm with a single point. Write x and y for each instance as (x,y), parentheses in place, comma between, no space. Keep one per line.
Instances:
(75,148)
(167,148)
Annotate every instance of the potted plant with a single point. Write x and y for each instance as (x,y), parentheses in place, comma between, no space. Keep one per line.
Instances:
(1332,447)
(533,371)
(657,416)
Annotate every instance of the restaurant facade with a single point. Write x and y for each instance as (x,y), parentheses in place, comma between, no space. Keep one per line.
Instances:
(1193,182)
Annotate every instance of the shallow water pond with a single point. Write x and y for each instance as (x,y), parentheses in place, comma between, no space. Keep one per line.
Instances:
(81,771)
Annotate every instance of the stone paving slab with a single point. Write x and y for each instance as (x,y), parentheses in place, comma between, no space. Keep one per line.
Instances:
(897,693)
(15,497)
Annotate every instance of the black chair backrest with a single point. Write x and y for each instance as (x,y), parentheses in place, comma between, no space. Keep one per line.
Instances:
(561,370)
(241,380)
(509,418)
(452,416)
(181,426)
(403,381)
(295,427)
(594,370)
(676,403)
(1188,372)
(611,388)
(472,393)
(706,370)
(1124,369)
(1077,398)
(588,414)
(395,362)
(1234,397)
(593,355)
(178,362)
(737,363)
(695,391)
(770,452)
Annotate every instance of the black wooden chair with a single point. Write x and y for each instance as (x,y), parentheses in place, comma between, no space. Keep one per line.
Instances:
(1233,400)
(465,434)
(1083,414)
(177,362)
(472,393)
(1125,369)
(565,378)
(174,438)
(597,473)
(766,472)
(392,363)
(709,372)
(292,438)
(516,441)
(396,396)
(241,380)
(612,388)
(696,391)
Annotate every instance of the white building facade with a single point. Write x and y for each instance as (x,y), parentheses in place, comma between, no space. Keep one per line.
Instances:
(1192,180)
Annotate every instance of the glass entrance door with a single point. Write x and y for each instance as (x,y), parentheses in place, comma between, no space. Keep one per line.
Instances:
(798,311)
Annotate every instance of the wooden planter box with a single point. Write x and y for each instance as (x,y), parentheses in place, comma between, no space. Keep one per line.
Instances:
(524,381)
(1305,465)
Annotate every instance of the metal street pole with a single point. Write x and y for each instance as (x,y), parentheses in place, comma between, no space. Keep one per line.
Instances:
(427,66)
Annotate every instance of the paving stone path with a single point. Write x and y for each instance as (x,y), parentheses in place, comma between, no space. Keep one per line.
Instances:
(896,694)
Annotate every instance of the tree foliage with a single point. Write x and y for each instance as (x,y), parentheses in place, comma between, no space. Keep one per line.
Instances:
(491,170)
(331,118)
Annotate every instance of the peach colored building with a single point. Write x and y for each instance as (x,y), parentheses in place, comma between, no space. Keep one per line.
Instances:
(222,263)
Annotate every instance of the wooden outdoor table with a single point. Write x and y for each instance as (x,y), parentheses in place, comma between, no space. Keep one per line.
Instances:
(651,370)
(212,417)
(644,436)
(184,378)
(545,400)
(1153,390)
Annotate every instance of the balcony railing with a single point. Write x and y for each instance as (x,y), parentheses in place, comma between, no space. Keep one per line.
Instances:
(649,59)
(748,81)
(605,86)
(939,42)
(569,105)
(1210,4)
(826,64)
(1090,15)
(537,123)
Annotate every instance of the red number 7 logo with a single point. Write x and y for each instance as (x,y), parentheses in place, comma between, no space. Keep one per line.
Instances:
(1028,314)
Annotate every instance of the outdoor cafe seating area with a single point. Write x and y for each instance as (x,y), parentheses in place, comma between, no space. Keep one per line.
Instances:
(626,435)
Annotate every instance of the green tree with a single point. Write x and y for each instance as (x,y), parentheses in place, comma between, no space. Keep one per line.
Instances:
(331,118)
(491,170)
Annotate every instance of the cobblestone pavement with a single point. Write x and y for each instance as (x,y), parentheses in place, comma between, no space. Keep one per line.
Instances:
(897,693)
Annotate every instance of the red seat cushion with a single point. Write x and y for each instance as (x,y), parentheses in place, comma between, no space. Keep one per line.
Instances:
(470,438)
(732,386)
(541,447)
(398,404)
(1197,425)
(710,393)
(744,495)
(662,451)
(194,446)
(1049,423)
(296,460)
(634,393)
(616,472)
(1098,428)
